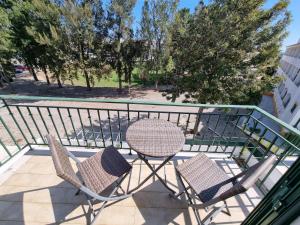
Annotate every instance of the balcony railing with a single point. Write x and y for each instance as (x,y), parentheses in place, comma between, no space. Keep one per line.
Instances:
(245,133)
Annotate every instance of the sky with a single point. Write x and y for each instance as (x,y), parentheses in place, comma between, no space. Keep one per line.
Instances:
(293,28)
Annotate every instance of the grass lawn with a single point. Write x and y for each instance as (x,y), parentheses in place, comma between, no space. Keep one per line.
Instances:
(111,81)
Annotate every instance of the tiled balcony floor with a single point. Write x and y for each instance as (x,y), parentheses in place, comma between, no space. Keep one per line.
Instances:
(31,193)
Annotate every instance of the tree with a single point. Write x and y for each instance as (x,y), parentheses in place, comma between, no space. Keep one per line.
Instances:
(6,48)
(178,65)
(156,19)
(85,29)
(28,49)
(145,35)
(131,51)
(119,22)
(231,51)
(45,18)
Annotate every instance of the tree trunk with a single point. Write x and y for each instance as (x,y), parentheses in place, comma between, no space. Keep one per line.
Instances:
(87,80)
(173,97)
(198,120)
(46,75)
(1,84)
(120,82)
(156,80)
(33,73)
(119,72)
(58,80)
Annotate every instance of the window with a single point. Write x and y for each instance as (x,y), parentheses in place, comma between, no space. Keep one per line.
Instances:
(294,107)
(286,99)
(296,124)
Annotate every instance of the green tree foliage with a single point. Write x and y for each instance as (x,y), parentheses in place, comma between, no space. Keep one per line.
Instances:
(119,22)
(42,27)
(229,51)
(6,47)
(83,24)
(20,13)
(156,19)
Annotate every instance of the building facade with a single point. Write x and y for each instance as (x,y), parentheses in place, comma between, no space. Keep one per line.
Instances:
(287,94)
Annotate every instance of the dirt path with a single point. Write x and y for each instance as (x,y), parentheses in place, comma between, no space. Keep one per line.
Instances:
(26,86)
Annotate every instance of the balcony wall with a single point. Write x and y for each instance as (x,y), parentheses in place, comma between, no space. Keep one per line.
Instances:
(245,134)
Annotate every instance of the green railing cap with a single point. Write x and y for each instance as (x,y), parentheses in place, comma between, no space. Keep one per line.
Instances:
(107,100)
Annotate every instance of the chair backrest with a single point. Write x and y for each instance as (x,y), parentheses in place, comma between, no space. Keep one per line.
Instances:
(62,163)
(249,178)
(254,172)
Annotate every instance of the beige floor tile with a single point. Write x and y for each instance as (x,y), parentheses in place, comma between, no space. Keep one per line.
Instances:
(156,216)
(40,195)
(116,215)
(34,194)
(35,180)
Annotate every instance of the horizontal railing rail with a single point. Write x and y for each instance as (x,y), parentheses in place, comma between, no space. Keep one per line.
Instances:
(246,133)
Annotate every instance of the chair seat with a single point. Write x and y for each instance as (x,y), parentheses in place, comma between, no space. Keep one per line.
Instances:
(205,177)
(103,169)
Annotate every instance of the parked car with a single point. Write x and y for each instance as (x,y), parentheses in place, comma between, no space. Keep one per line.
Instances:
(19,68)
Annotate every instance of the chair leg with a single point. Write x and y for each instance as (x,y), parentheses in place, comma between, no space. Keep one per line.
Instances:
(110,195)
(189,200)
(216,210)
(77,192)
(227,209)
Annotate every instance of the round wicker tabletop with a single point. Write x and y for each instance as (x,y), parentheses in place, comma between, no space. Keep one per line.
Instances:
(155,138)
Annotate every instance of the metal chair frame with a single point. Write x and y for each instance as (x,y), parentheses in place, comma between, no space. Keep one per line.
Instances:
(252,174)
(92,197)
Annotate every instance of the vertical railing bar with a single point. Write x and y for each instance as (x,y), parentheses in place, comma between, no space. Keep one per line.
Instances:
(236,126)
(138,115)
(15,120)
(230,138)
(214,130)
(158,115)
(207,123)
(10,134)
(178,119)
(100,126)
(40,114)
(187,124)
(92,127)
(35,124)
(272,168)
(26,124)
(128,121)
(5,148)
(51,118)
(119,122)
(148,115)
(198,117)
(65,129)
(128,111)
(292,151)
(72,124)
(82,127)
(169,116)
(110,130)
(254,150)
(245,124)
(271,145)
(248,140)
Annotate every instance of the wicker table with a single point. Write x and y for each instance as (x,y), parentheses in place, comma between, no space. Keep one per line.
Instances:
(155,138)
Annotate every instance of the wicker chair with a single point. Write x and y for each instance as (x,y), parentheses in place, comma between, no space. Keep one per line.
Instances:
(97,173)
(211,185)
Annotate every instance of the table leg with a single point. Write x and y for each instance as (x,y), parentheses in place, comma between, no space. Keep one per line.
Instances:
(154,172)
